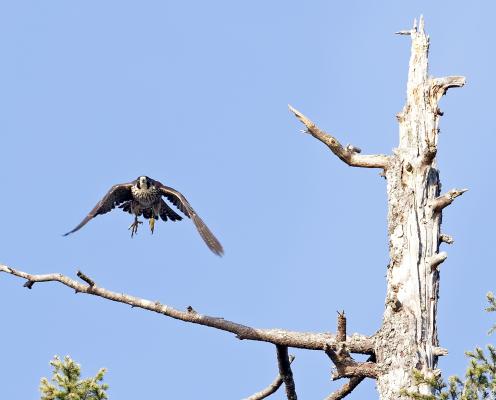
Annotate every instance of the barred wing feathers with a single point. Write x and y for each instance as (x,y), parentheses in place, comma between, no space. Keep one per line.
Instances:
(115,196)
(183,205)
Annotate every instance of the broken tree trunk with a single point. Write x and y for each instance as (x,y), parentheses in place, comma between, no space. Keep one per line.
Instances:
(408,338)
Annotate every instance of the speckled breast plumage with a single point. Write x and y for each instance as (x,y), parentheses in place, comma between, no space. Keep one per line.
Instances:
(146,197)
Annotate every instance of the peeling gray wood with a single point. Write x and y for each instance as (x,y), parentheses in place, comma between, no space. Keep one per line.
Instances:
(408,337)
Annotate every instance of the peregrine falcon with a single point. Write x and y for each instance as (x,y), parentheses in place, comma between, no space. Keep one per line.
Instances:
(143,196)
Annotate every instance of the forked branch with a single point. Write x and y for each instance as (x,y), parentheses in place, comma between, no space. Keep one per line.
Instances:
(304,340)
(348,154)
(346,366)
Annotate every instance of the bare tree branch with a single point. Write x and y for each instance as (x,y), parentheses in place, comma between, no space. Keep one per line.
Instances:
(348,154)
(446,199)
(304,340)
(272,388)
(285,372)
(346,366)
(346,389)
(351,368)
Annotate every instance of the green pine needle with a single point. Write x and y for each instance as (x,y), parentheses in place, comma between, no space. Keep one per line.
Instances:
(66,383)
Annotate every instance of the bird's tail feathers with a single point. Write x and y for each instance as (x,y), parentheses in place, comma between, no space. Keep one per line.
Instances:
(207,236)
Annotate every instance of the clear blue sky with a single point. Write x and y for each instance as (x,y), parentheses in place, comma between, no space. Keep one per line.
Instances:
(195,94)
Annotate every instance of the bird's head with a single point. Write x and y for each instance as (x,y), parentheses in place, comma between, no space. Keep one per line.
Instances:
(143,182)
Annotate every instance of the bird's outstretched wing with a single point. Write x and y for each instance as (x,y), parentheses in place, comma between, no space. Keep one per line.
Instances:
(183,205)
(168,213)
(115,196)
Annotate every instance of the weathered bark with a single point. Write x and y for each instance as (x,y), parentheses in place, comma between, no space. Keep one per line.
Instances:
(408,338)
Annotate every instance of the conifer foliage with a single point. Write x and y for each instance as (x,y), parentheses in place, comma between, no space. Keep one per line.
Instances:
(66,383)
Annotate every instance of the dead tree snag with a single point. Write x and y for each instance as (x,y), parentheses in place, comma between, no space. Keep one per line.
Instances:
(408,338)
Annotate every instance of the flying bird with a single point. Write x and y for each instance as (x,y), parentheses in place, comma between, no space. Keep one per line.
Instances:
(143,196)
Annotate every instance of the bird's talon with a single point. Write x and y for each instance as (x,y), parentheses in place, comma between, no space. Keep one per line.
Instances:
(134,227)
(152,224)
